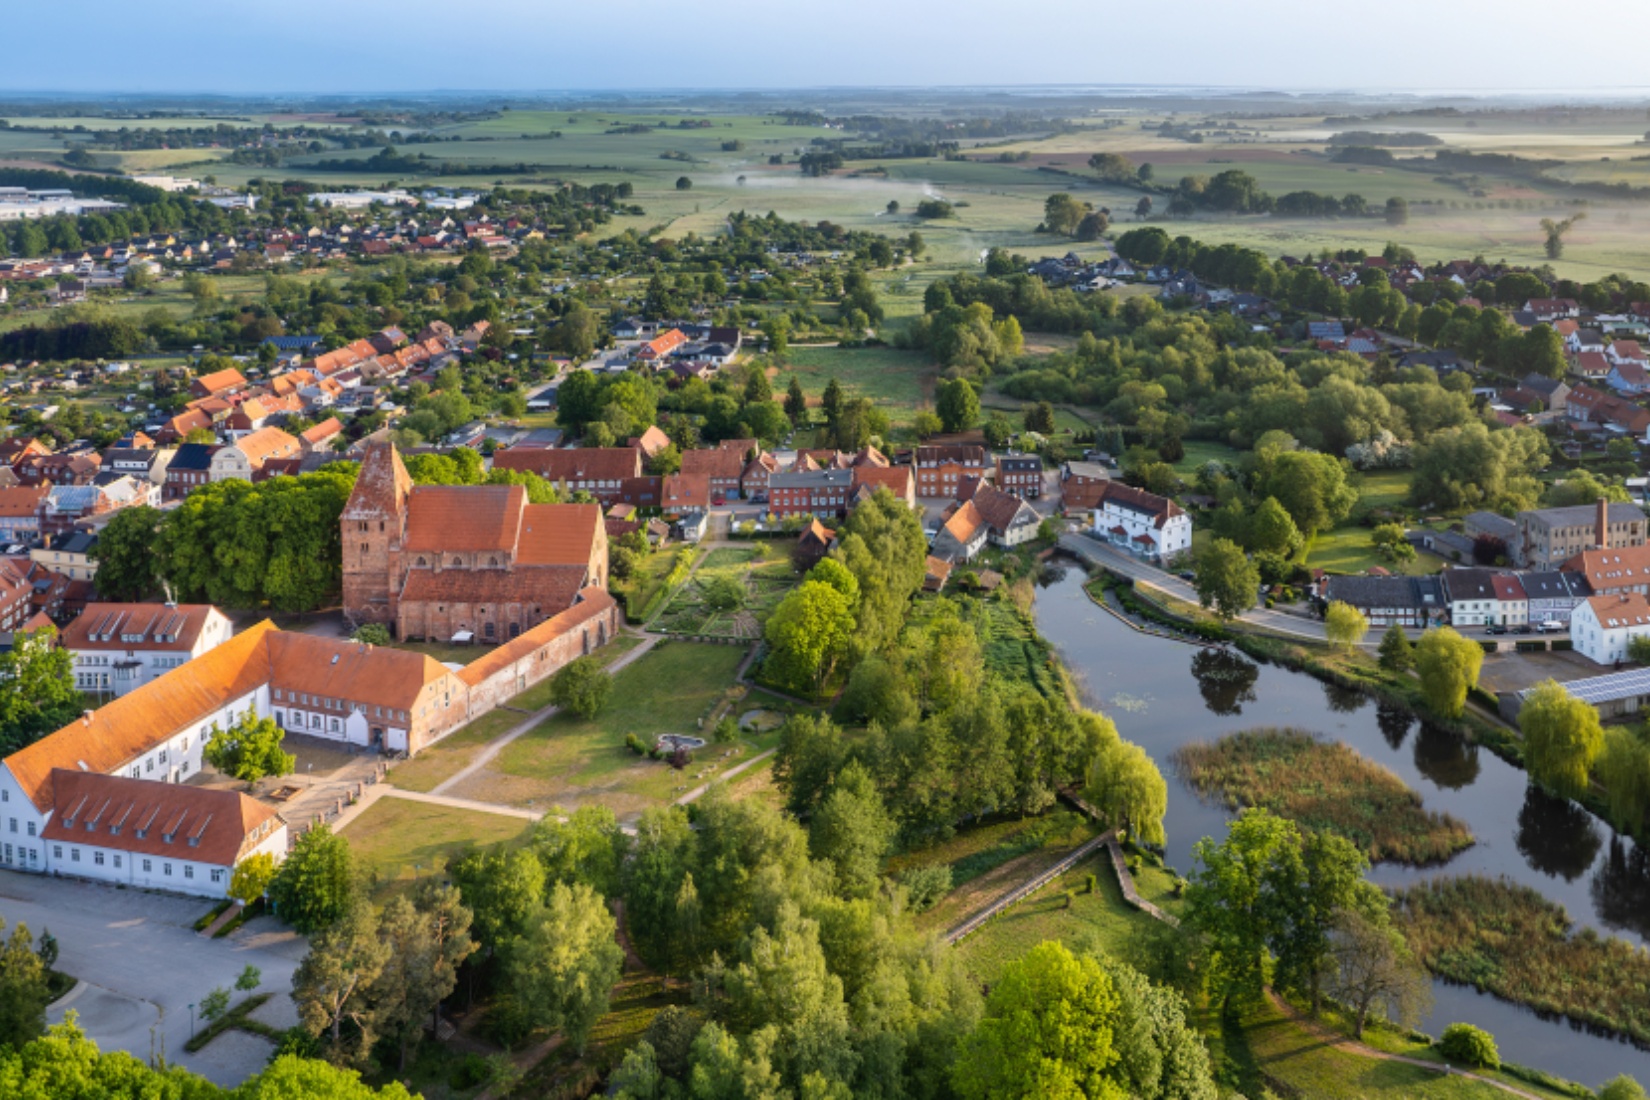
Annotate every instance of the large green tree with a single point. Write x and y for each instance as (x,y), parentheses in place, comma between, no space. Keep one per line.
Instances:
(958,405)
(24,991)
(1225,579)
(1312,488)
(560,971)
(1448,666)
(250,749)
(316,883)
(37,689)
(807,634)
(332,985)
(582,687)
(127,568)
(1562,738)
(853,830)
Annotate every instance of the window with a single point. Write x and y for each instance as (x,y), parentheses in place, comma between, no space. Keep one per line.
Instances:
(31,828)
(217,874)
(97,858)
(117,861)
(188,871)
(149,764)
(148,866)
(74,855)
(57,851)
(166,868)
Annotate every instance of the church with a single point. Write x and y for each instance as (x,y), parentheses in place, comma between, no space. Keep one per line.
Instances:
(464,562)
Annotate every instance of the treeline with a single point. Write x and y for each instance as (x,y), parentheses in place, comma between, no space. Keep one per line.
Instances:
(389,159)
(103,337)
(1406,138)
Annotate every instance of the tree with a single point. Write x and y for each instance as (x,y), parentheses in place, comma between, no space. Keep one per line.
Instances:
(37,689)
(958,405)
(1448,666)
(500,886)
(1562,738)
(330,986)
(1047,1032)
(1038,418)
(1397,211)
(559,972)
(1344,625)
(291,1078)
(683,183)
(1396,652)
(427,942)
(1092,226)
(1061,213)
(1160,1054)
(722,594)
(127,568)
(1470,1045)
(808,633)
(1621,1087)
(587,846)
(1271,530)
(214,1004)
(1312,488)
(1392,542)
(853,830)
(926,425)
(1555,230)
(1123,782)
(316,883)
(582,687)
(1372,968)
(250,749)
(1116,167)
(249,979)
(796,404)
(251,877)
(1226,580)
(777,328)
(1623,768)
(24,990)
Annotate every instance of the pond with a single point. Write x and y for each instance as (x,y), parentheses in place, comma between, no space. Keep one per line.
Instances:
(1163,694)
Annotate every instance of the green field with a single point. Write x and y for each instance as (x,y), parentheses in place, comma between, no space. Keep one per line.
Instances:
(900,382)
(398,840)
(569,761)
(765,578)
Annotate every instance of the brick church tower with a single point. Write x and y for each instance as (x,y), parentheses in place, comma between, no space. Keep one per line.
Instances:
(373,525)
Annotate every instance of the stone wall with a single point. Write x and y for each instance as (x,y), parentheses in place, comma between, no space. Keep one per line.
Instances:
(541,652)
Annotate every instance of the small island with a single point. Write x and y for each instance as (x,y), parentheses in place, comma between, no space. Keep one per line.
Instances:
(1323,785)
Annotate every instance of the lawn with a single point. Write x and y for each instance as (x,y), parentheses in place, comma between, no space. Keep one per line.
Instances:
(439,762)
(1296,1062)
(1101,919)
(569,761)
(900,382)
(398,840)
(537,697)
(448,653)
(1346,549)
(1200,451)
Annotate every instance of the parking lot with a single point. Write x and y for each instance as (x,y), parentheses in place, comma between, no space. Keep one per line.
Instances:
(142,965)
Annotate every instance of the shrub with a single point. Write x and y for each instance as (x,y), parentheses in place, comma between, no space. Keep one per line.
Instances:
(926,885)
(1088,883)
(1469,1045)
(472,1071)
(726,730)
(372,634)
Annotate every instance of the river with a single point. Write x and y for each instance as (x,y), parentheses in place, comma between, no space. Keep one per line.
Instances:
(1163,694)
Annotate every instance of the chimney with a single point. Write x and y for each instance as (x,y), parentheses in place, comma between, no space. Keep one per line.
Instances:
(1603,524)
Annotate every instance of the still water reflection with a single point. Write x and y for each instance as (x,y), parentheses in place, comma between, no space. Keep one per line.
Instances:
(1163,694)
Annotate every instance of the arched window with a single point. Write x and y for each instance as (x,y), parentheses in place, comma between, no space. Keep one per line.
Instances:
(601,634)
(587,643)
(457,560)
(515,629)
(364,548)
(493,561)
(421,561)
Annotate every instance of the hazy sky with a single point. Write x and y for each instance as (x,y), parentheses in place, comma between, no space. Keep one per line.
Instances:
(411,45)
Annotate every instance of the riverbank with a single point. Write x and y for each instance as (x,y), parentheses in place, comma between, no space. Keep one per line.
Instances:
(1323,785)
(1508,940)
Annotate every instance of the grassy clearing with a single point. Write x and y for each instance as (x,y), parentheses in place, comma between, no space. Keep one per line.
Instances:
(570,761)
(1323,785)
(448,653)
(766,579)
(900,382)
(537,697)
(1346,549)
(398,840)
(1200,451)
(635,1001)
(988,861)
(1273,1050)
(1101,919)
(448,756)
(1508,939)
(1013,649)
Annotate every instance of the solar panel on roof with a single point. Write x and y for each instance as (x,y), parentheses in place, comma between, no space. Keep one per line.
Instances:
(1606,689)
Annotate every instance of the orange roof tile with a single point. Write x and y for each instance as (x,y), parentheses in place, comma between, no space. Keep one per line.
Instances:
(132,724)
(558,534)
(548,586)
(464,517)
(220,381)
(156,819)
(267,443)
(382,485)
(336,668)
(22,500)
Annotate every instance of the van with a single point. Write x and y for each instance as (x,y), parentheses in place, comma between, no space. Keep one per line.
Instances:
(1550,626)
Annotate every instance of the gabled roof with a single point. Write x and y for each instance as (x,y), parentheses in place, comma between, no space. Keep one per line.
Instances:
(548,586)
(652,441)
(591,603)
(581,464)
(1001,510)
(965,523)
(558,534)
(175,820)
(1470,584)
(1161,509)
(137,626)
(1626,567)
(338,668)
(1619,612)
(896,479)
(464,518)
(266,443)
(723,464)
(22,500)
(130,725)
(222,381)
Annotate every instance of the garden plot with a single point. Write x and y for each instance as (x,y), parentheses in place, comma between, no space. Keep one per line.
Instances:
(730,596)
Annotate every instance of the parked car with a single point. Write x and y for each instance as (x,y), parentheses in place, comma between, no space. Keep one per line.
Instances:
(1495,628)
(1523,628)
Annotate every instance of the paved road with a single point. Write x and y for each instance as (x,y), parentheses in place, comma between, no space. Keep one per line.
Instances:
(142,964)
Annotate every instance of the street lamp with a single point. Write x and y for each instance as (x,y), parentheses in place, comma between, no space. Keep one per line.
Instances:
(191,1021)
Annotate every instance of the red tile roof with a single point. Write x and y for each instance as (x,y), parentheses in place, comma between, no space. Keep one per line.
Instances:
(582,464)
(464,518)
(168,820)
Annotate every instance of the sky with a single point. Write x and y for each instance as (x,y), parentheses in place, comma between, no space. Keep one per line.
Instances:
(363,46)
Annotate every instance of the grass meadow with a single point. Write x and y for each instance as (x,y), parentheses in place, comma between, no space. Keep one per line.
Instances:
(399,840)
(1322,785)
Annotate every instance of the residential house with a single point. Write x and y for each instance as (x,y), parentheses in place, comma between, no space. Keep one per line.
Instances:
(1554,392)
(720,468)
(20,510)
(1584,341)
(1624,352)
(1549,536)
(1408,601)
(962,535)
(1614,571)
(244,459)
(821,493)
(685,494)
(144,463)
(1143,523)
(1629,378)
(1475,598)
(320,438)
(1602,627)
(1021,475)
(1553,595)
(190,468)
(651,442)
(1009,520)
(935,573)
(1082,485)
(65,468)
(658,349)
(119,647)
(1553,309)
(941,468)
(599,471)
(221,383)
(812,545)
(1591,364)
(69,555)
(753,479)
(898,480)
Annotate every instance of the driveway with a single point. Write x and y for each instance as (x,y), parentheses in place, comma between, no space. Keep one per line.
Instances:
(142,964)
